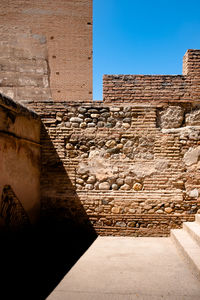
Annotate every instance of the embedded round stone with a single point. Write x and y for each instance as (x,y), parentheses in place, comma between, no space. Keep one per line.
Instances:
(127,120)
(129,180)
(120,181)
(114,186)
(110,143)
(67,124)
(115,210)
(79,181)
(104,186)
(76,120)
(91,179)
(91,125)
(125,187)
(69,146)
(100,124)
(126,125)
(82,110)
(168,210)
(94,115)
(83,125)
(137,186)
(89,186)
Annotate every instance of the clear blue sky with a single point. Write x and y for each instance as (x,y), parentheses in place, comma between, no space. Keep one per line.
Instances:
(142,37)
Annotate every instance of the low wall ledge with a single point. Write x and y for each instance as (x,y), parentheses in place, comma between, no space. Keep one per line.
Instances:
(10,104)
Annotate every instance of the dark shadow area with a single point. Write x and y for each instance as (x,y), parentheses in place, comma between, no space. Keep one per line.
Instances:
(33,261)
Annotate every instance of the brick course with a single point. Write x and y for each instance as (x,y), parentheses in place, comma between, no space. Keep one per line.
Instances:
(65,29)
(106,163)
(156,88)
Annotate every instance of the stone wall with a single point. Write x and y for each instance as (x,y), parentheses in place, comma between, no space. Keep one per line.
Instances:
(19,165)
(65,29)
(133,168)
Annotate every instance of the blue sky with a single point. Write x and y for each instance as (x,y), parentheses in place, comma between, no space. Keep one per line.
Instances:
(142,37)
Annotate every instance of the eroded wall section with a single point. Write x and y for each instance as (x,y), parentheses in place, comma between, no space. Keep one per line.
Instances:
(135,168)
(65,29)
(19,165)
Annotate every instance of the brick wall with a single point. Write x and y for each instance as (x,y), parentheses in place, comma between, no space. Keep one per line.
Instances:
(156,88)
(133,169)
(191,63)
(24,65)
(65,29)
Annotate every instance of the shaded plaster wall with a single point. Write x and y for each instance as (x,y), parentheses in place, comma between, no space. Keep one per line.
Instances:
(64,30)
(130,165)
(19,165)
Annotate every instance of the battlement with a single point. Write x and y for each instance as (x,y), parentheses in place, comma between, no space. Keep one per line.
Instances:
(156,88)
(191,62)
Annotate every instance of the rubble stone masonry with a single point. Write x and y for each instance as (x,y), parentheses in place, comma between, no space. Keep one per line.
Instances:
(128,165)
(134,165)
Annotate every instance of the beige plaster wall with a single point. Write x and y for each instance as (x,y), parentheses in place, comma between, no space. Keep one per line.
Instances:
(19,161)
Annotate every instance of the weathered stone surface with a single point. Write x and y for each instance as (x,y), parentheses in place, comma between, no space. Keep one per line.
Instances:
(82,110)
(83,125)
(111,143)
(79,181)
(119,181)
(91,125)
(194,193)
(192,156)
(91,179)
(104,186)
(125,187)
(76,120)
(115,210)
(69,146)
(171,117)
(137,186)
(89,186)
(168,210)
(129,180)
(193,118)
(126,125)
(114,186)
(121,224)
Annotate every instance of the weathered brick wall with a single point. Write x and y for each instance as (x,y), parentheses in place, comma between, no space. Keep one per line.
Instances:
(19,165)
(156,88)
(65,29)
(23,64)
(133,169)
(191,62)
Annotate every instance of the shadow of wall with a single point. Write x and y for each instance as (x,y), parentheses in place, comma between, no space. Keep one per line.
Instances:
(34,261)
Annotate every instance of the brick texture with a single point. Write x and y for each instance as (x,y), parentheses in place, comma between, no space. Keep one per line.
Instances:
(156,88)
(122,166)
(61,28)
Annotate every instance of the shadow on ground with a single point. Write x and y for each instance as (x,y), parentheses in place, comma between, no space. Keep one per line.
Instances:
(34,261)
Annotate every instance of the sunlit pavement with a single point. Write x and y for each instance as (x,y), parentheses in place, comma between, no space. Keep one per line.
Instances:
(129,268)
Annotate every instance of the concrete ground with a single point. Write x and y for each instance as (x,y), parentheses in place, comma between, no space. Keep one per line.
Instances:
(122,268)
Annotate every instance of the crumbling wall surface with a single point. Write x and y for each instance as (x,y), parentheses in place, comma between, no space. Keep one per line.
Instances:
(23,64)
(156,88)
(64,28)
(135,168)
(19,164)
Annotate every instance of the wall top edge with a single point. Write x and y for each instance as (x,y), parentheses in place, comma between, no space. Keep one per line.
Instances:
(10,104)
